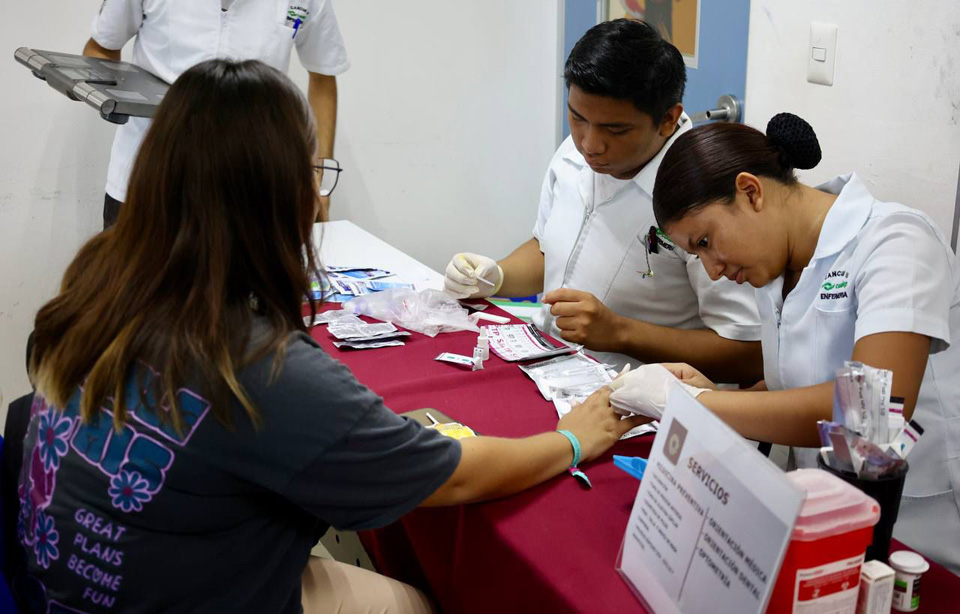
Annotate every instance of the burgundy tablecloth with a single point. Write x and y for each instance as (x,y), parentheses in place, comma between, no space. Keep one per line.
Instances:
(550,549)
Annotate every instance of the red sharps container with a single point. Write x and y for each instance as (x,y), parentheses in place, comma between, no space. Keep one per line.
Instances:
(821,570)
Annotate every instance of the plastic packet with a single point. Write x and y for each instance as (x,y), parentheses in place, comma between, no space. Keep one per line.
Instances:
(381,337)
(862,403)
(426,311)
(367,345)
(843,403)
(871,462)
(876,397)
(883,434)
(907,438)
(870,415)
(856,412)
(562,371)
(457,359)
(328,317)
(825,427)
(564,399)
(895,421)
(578,391)
(362,330)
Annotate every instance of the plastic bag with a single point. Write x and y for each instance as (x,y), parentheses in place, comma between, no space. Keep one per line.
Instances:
(567,371)
(428,311)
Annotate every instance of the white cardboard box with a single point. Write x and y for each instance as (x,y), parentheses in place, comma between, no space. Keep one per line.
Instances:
(876,588)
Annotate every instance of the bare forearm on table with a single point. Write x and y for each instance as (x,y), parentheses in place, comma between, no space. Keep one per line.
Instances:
(523,270)
(720,359)
(322,95)
(491,467)
(790,417)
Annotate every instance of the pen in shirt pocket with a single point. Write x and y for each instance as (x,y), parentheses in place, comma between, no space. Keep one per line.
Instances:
(649,240)
(652,243)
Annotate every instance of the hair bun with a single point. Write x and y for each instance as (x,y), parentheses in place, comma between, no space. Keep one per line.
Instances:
(796,139)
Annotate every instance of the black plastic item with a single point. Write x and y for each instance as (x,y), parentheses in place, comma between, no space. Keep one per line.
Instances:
(886,491)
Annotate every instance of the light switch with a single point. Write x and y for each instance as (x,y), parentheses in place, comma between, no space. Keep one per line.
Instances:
(823,53)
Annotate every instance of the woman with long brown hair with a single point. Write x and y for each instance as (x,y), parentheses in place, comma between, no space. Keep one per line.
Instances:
(190,442)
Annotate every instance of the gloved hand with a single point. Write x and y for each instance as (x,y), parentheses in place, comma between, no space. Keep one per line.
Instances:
(644,391)
(464,272)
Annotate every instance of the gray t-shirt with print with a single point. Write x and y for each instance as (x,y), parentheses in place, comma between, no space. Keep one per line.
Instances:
(214,519)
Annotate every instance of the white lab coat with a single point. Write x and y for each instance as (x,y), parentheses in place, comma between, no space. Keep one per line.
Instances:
(174,35)
(599,247)
(880,267)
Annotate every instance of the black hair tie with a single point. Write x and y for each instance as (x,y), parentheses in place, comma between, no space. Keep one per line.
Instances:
(796,140)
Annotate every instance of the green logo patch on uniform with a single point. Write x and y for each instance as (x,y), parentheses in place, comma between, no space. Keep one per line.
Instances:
(828,286)
(297,12)
(664,241)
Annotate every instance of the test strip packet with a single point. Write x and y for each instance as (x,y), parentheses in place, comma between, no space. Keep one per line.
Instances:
(850,381)
(907,439)
(334,315)
(895,421)
(871,385)
(381,337)
(844,397)
(457,359)
(367,345)
(352,331)
(883,419)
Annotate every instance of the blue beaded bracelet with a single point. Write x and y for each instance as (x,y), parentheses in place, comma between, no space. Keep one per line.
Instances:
(576,473)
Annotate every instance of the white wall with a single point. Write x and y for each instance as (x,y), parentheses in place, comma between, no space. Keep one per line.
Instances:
(448,118)
(53,161)
(893,112)
(447,121)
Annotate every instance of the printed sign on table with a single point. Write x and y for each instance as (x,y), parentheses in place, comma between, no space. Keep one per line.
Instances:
(711,521)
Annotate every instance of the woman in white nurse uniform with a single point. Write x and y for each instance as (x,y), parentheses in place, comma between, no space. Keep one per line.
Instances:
(839,276)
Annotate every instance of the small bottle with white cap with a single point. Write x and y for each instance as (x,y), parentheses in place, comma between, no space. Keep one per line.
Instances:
(483,343)
(909,566)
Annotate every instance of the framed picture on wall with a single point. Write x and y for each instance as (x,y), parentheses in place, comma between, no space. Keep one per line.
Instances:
(677,20)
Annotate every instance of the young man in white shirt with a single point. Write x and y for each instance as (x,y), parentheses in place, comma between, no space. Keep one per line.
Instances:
(174,35)
(613,282)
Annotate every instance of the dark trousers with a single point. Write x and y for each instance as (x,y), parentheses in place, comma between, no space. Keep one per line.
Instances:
(111,209)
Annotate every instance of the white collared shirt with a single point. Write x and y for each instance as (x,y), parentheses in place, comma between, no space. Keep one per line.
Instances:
(880,267)
(598,245)
(174,35)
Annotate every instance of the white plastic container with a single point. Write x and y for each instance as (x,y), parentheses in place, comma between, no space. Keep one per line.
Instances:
(909,566)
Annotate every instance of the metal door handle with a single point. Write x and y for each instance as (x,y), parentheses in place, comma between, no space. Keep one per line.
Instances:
(728,110)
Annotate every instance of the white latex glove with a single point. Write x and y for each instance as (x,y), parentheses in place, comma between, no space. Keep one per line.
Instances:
(644,391)
(463,272)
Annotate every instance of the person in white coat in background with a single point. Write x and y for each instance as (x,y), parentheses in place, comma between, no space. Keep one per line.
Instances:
(839,276)
(613,282)
(174,35)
